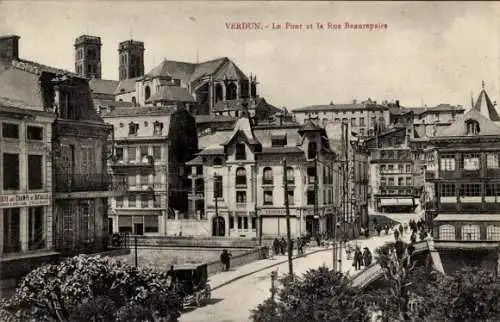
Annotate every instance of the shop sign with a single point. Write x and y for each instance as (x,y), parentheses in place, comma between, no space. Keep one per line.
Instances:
(275,212)
(25,200)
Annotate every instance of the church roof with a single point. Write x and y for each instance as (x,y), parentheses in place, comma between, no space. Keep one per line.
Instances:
(190,72)
(126,86)
(103,86)
(459,127)
(485,107)
(172,94)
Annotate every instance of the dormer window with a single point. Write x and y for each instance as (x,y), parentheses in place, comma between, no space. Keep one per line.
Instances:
(157,128)
(472,127)
(278,140)
(240,151)
(218,161)
(133,128)
(311,150)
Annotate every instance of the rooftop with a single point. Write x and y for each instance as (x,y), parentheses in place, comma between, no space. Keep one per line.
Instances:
(138,111)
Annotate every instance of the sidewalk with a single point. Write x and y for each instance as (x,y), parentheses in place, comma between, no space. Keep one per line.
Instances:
(224,278)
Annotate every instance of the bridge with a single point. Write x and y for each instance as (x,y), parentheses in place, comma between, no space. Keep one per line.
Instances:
(375,271)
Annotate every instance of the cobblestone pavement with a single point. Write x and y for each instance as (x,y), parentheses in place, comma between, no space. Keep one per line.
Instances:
(233,302)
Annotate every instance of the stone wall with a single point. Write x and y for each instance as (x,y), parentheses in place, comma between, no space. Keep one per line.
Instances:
(195,242)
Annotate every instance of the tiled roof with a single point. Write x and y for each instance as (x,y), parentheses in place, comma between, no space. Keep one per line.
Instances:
(207,68)
(20,87)
(444,108)
(172,94)
(137,111)
(103,86)
(48,69)
(126,85)
(229,70)
(214,139)
(174,69)
(485,107)
(212,151)
(111,103)
(399,111)
(459,128)
(196,161)
(214,118)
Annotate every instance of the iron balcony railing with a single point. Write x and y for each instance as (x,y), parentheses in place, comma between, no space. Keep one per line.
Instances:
(80,182)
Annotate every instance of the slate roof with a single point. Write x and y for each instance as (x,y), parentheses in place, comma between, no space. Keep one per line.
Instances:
(198,160)
(126,85)
(103,86)
(229,70)
(207,68)
(171,93)
(174,69)
(237,104)
(485,107)
(459,128)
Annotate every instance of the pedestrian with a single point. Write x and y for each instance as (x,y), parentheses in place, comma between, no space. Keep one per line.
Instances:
(413,238)
(387,229)
(300,246)
(367,257)
(401,229)
(379,229)
(171,274)
(396,234)
(283,245)
(358,258)
(276,246)
(406,227)
(225,259)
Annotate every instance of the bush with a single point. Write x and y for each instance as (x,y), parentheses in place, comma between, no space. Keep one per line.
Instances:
(319,295)
(94,288)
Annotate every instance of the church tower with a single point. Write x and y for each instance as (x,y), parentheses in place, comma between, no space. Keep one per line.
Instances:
(131,58)
(88,56)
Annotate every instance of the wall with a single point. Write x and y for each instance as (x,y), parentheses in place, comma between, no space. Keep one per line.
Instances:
(456,260)
(196,242)
(189,227)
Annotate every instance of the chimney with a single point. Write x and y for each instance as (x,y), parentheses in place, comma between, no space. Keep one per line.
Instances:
(397,103)
(9,47)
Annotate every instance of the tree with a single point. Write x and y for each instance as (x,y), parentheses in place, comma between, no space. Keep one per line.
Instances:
(471,294)
(93,288)
(318,295)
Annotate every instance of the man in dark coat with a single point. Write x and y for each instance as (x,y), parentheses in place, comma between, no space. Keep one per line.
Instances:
(276,246)
(225,259)
(283,245)
(396,234)
(367,257)
(358,259)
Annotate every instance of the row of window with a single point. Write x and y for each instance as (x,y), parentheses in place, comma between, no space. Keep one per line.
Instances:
(400,191)
(12,229)
(242,222)
(395,155)
(399,168)
(133,152)
(11,131)
(384,181)
(145,201)
(144,179)
(138,224)
(11,171)
(470,189)
(133,128)
(468,232)
(469,161)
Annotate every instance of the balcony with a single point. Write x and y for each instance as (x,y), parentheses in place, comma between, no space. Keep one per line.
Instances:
(245,206)
(144,187)
(90,182)
(145,162)
(196,196)
(460,173)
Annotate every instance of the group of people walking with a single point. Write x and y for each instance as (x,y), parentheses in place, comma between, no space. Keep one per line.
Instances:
(362,258)
(280,246)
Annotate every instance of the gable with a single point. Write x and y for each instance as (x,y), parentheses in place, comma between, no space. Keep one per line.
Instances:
(459,127)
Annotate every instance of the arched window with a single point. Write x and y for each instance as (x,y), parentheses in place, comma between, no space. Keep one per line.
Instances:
(446,232)
(134,101)
(290,176)
(218,161)
(493,232)
(470,232)
(147,93)
(311,150)
(268,176)
(241,176)
(231,90)
(218,93)
(473,127)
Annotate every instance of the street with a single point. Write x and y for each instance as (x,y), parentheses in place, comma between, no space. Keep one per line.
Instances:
(235,301)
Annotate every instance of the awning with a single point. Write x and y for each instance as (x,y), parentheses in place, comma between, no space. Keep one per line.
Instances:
(467,217)
(396,202)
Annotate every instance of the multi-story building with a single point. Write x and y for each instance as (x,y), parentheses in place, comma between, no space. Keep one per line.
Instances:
(131,55)
(463,175)
(238,180)
(88,56)
(151,146)
(365,118)
(55,185)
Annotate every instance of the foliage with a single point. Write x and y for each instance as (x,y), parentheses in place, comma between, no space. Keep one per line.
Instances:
(382,253)
(318,295)
(94,288)
(471,294)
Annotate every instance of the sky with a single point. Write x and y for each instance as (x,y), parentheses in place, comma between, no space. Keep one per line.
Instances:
(430,52)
